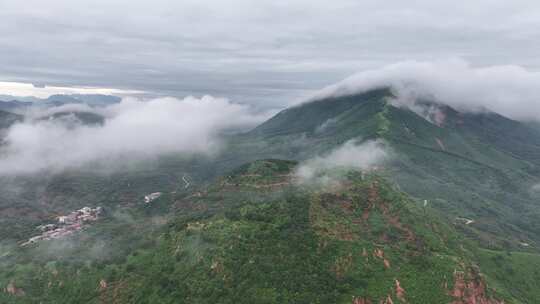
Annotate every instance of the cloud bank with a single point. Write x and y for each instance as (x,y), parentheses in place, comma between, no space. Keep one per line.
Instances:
(264,51)
(352,154)
(132,128)
(509,90)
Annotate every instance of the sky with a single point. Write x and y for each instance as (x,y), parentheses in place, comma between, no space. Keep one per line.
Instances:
(269,53)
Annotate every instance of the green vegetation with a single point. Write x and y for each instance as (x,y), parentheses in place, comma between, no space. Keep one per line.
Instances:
(516,272)
(243,243)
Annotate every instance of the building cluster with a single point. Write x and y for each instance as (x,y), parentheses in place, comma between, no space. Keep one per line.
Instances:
(66,225)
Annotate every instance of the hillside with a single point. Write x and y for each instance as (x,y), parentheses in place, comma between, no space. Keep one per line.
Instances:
(480,166)
(256,236)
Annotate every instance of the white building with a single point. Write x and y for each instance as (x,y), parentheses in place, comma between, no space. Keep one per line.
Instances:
(152,197)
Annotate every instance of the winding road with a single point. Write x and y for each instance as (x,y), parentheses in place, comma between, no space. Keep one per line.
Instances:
(187,183)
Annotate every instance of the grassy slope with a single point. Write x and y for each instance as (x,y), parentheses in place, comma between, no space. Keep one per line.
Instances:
(517,273)
(470,178)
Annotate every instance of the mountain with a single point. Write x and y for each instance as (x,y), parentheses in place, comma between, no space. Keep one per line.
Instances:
(474,165)
(315,117)
(451,217)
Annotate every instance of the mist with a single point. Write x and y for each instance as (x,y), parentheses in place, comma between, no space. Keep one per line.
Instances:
(133,128)
(352,154)
(509,90)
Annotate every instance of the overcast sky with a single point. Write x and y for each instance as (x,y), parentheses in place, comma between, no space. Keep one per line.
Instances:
(264,52)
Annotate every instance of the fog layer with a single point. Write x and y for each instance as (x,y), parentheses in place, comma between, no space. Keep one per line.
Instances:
(132,129)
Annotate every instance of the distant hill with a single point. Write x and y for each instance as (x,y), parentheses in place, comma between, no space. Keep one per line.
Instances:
(93,99)
(7,119)
(28,99)
(86,118)
(15,103)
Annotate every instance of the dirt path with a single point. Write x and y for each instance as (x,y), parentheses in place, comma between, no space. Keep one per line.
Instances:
(440,143)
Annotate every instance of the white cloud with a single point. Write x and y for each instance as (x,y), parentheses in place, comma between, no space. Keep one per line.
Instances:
(362,156)
(508,90)
(134,128)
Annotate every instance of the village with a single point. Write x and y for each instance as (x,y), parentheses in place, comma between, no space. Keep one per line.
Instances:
(66,225)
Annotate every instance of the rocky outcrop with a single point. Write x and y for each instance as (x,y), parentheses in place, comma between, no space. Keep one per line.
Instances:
(470,288)
(14,290)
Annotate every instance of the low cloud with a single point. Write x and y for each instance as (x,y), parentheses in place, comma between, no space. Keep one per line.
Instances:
(351,155)
(132,129)
(509,90)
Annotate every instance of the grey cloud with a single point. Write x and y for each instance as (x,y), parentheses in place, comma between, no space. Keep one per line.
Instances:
(251,51)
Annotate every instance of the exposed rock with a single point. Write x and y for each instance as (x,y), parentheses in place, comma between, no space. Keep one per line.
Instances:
(13,290)
(470,288)
(362,300)
(102,284)
(388,300)
(378,253)
(400,292)
(364,252)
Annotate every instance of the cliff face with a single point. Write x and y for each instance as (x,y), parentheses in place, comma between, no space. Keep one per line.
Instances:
(470,288)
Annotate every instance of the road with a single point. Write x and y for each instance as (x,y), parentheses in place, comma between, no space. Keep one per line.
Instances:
(187,183)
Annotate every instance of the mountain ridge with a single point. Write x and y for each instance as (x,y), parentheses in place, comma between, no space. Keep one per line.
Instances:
(442,154)
(20,104)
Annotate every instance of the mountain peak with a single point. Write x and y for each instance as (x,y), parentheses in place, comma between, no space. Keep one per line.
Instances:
(312,116)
